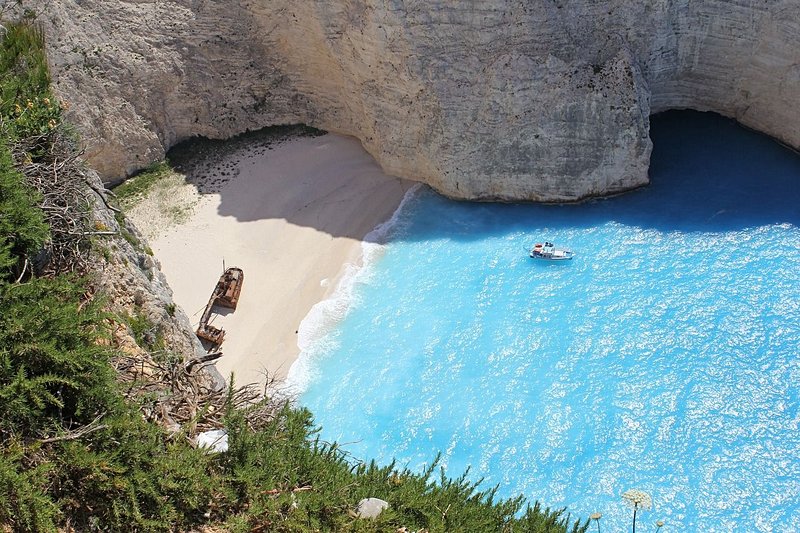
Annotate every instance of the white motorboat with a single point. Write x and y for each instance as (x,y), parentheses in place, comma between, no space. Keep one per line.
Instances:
(549,252)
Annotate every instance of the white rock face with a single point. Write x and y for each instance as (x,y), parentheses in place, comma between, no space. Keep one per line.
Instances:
(493,99)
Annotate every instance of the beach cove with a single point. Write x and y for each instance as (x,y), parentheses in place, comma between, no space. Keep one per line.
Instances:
(401,348)
(661,341)
(292,212)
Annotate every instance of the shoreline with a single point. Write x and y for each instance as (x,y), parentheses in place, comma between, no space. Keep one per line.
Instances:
(329,311)
(295,215)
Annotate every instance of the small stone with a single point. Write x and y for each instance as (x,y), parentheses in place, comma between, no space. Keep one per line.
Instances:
(138,298)
(371,507)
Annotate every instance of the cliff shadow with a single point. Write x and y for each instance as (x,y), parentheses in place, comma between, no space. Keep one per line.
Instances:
(707,174)
(294,173)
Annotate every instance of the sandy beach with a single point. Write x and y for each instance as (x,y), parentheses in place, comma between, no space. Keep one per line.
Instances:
(291,213)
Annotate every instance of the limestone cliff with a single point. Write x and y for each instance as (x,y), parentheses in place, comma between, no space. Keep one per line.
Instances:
(494,99)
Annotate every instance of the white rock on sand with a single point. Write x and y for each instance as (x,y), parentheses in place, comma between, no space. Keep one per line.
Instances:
(291,217)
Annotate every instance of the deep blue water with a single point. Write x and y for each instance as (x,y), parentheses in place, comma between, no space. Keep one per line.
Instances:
(664,357)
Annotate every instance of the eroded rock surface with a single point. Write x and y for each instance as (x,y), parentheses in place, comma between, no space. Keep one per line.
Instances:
(133,286)
(496,99)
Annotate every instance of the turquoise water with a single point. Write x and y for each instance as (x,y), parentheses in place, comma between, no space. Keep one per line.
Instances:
(664,357)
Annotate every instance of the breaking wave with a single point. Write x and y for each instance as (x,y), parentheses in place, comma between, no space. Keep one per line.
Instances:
(315,336)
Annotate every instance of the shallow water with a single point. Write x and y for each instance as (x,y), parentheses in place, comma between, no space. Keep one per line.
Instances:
(664,357)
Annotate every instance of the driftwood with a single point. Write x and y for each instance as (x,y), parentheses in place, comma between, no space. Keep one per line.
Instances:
(102,193)
(276,492)
(213,356)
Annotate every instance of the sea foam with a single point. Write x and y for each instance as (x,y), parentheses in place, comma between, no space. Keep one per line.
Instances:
(314,333)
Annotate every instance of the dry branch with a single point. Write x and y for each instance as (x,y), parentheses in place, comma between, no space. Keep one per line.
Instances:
(179,392)
(213,356)
(50,164)
(91,427)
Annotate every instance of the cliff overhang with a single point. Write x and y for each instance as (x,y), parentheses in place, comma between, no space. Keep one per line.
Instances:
(500,100)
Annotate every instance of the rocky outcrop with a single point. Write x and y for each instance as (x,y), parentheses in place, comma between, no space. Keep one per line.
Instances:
(133,287)
(498,99)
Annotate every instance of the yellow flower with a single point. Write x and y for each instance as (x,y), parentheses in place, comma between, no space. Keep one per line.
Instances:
(52,123)
(30,104)
(46,101)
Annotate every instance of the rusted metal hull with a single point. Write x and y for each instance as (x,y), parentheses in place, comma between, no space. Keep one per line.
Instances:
(226,294)
(211,334)
(229,287)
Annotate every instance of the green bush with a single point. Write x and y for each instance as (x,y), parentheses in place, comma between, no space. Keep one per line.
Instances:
(135,188)
(53,372)
(24,502)
(22,226)
(130,477)
(27,106)
(288,481)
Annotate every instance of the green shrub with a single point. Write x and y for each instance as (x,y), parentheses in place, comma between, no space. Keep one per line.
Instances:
(53,371)
(135,188)
(27,105)
(24,502)
(130,477)
(288,481)
(22,227)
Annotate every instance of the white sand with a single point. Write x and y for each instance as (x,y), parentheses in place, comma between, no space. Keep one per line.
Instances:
(292,218)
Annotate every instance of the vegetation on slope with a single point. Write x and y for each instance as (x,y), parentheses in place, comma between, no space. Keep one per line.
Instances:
(134,189)
(75,454)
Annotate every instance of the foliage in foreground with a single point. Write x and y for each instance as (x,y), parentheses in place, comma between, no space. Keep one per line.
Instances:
(22,226)
(75,455)
(314,488)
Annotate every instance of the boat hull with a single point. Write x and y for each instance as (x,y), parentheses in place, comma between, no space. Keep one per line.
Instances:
(548,252)
(560,258)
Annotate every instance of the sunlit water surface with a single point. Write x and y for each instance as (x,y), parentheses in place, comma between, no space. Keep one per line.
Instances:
(664,357)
